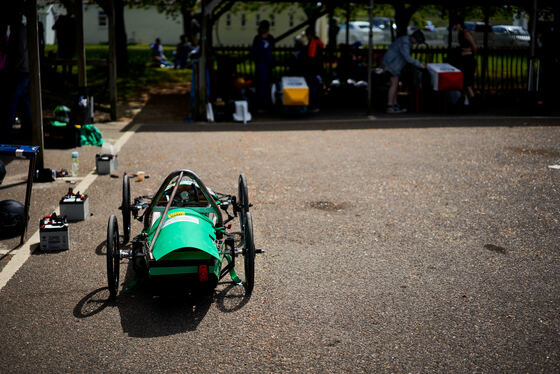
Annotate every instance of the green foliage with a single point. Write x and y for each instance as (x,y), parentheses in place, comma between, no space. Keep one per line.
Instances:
(438,14)
(172,8)
(140,76)
(254,7)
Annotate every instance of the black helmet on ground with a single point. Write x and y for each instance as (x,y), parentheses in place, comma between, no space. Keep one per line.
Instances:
(12,219)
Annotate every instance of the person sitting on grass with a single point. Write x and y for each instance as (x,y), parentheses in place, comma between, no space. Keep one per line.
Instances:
(156,52)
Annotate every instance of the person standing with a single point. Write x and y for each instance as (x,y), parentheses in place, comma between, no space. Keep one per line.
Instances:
(17,77)
(467,61)
(314,68)
(261,52)
(182,52)
(333,33)
(394,60)
(65,28)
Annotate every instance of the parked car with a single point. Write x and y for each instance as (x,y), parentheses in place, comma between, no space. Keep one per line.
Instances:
(498,36)
(359,32)
(477,26)
(509,35)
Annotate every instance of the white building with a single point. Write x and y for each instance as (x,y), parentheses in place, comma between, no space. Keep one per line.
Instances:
(233,28)
(142,26)
(240,27)
(47,16)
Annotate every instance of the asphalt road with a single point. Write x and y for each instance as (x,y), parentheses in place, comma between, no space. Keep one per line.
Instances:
(407,245)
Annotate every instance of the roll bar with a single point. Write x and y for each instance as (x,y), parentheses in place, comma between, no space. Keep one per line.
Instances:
(179,174)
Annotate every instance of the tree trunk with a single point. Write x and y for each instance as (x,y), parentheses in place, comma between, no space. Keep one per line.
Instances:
(403,14)
(187,22)
(120,31)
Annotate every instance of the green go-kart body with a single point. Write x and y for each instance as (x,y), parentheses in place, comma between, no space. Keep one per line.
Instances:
(187,240)
(184,234)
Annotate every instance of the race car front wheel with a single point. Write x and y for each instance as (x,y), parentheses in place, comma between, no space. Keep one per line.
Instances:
(113,256)
(125,207)
(242,199)
(249,254)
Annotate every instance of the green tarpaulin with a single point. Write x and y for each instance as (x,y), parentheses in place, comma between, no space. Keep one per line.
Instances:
(90,135)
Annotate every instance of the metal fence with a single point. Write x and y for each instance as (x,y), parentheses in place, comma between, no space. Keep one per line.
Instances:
(506,68)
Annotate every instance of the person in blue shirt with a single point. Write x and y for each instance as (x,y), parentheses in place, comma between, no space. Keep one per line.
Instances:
(394,60)
(156,52)
(262,55)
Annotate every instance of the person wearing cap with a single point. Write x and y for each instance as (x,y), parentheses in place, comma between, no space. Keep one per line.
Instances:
(395,59)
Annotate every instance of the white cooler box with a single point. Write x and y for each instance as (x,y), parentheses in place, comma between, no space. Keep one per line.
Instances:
(53,233)
(445,77)
(75,207)
(291,91)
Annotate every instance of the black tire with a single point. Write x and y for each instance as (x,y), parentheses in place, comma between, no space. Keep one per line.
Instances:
(242,200)
(113,256)
(249,254)
(125,207)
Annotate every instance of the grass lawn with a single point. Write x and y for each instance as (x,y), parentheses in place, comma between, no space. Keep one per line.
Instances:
(61,89)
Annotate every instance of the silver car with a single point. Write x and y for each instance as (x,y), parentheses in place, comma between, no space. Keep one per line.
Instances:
(509,35)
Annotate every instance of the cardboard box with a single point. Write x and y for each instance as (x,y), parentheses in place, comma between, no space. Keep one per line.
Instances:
(445,77)
(106,163)
(53,233)
(74,207)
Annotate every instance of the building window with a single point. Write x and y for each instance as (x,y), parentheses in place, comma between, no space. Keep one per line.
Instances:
(243,20)
(258,18)
(291,20)
(272,20)
(101,18)
(228,19)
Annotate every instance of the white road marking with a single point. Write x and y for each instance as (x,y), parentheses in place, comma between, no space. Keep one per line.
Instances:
(124,137)
(21,254)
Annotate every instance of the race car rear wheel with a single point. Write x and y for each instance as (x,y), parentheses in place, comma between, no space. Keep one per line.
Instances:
(113,256)
(125,207)
(249,254)
(242,199)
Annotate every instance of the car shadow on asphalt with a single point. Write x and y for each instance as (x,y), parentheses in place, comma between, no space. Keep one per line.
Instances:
(147,310)
(355,123)
(144,314)
(93,303)
(230,297)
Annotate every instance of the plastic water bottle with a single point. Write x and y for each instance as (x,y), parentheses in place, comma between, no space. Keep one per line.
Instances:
(75,164)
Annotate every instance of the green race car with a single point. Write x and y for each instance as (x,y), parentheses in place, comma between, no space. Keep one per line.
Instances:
(185,237)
